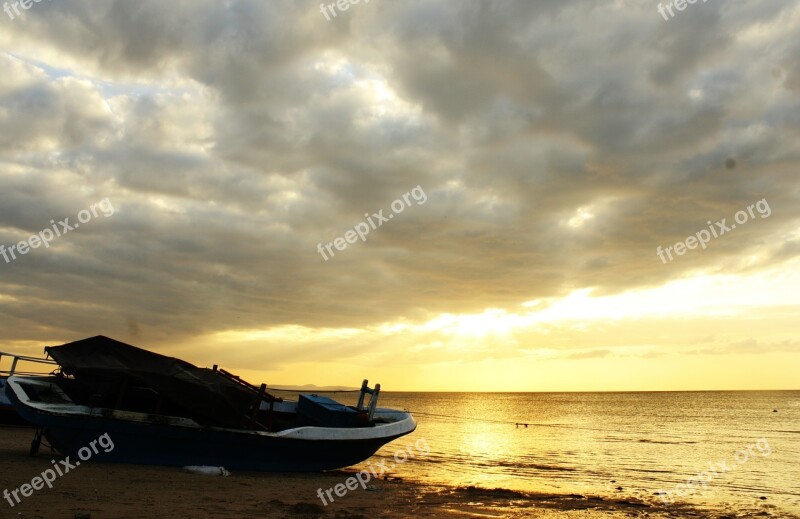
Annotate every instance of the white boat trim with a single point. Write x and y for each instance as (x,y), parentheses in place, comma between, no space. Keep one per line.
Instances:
(402,421)
(5,373)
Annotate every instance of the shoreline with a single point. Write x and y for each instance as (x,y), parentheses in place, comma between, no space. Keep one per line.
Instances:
(135,491)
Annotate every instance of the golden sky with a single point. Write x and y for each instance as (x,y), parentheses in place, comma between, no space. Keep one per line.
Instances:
(549,154)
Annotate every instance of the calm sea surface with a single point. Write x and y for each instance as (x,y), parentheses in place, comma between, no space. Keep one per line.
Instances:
(580,442)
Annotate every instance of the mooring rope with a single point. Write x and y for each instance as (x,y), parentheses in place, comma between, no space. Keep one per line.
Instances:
(517,423)
(485,420)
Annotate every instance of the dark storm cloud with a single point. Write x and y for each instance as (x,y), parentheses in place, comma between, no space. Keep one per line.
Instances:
(232,137)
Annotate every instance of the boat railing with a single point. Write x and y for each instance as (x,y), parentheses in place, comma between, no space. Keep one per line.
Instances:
(259,394)
(373,399)
(16,359)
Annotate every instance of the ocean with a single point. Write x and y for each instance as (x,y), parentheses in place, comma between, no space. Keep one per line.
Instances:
(722,450)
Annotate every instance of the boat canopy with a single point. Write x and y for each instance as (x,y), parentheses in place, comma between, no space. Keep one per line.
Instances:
(106,371)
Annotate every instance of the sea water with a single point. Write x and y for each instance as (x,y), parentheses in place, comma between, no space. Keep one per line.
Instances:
(725,450)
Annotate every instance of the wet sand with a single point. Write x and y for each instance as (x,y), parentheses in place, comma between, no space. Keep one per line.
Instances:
(106,491)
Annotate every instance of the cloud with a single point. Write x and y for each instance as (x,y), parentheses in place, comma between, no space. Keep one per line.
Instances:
(593,354)
(559,144)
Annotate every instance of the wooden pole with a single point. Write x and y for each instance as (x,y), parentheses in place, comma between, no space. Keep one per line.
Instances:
(257,405)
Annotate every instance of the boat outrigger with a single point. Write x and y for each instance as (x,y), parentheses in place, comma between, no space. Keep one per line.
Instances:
(18,365)
(160,410)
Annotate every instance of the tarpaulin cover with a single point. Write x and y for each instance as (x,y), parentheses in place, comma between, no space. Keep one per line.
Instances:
(107,367)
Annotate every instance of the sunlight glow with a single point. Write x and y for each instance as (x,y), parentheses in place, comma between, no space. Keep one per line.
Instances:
(286,333)
(690,297)
(491,322)
(610,340)
(582,215)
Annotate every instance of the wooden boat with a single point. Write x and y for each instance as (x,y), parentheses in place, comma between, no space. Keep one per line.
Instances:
(163,411)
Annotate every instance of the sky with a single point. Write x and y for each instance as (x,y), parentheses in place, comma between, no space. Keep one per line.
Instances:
(557,195)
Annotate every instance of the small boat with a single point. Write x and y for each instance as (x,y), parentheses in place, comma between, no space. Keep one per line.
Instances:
(7,413)
(160,410)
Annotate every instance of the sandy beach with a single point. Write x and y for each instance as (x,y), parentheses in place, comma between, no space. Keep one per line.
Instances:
(131,491)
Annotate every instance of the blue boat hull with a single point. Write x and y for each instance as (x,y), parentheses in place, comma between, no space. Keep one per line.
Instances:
(8,415)
(152,443)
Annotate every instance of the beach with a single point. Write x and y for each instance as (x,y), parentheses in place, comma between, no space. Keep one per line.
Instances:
(133,491)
